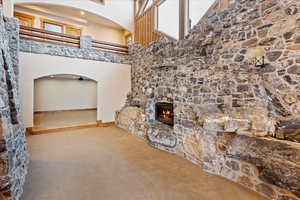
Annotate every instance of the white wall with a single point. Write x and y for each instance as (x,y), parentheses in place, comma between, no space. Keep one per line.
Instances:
(197,9)
(104,33)
(97,31)
(113,81)
(8,8)
(119,11)
(168,18)
(52,94)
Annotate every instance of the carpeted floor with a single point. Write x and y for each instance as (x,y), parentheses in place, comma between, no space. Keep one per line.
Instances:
(110,164)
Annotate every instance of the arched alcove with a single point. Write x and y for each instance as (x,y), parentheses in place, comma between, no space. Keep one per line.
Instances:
(64,100)
(113,81)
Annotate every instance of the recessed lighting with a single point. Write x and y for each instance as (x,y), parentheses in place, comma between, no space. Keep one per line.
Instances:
(82,12)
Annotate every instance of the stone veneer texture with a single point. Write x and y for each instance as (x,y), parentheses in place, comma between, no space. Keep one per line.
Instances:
(231,118)
(14,157)
(85,52)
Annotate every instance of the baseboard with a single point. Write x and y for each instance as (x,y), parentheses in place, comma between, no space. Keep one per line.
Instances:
(49,111)
(28,131)
(107,124)
(43,130)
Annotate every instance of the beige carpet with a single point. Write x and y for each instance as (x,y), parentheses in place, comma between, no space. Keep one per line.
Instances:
(110,164)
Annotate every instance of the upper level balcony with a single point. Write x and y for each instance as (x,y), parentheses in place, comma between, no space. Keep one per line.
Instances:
(70,27)
(84,42)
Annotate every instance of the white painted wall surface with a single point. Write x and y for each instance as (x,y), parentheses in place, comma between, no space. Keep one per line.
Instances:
(97,31)
(104,33)
(119,11)
(52,94)
(8,8)
(197,9)
(113,81)
(168,18)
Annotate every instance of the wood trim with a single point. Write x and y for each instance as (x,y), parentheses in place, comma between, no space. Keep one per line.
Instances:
(145,27)
(85,109)
(110,44)
(107,124)
(110,48)
(66,28)
(19,14)
(142,7)
(40,35)
(50,42)
(25,17)
(28,131)
(43,130)
(72,28)
(49,32)
(26,33)
(99,122)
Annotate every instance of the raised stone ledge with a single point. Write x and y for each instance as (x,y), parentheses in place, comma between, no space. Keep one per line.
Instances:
(278,162)
(31,46)
(162,135)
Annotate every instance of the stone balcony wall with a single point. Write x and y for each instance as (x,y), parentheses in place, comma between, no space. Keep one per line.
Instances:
(232,118)
(85,51)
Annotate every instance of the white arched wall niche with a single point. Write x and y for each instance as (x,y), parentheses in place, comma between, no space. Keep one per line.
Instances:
(118,11)
(80,94)
(114,81)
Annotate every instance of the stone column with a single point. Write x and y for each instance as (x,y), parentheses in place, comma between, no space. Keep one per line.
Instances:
(14,158)
(85,42)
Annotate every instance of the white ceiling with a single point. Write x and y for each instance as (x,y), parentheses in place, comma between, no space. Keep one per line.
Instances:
(67,13)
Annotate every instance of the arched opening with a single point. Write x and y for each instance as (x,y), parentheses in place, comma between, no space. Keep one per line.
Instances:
(64,100)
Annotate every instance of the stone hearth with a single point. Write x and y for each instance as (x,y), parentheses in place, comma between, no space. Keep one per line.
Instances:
(230,117)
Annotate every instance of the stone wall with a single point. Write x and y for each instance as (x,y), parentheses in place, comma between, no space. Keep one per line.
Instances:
(84,52)
(229,114)
(13,148)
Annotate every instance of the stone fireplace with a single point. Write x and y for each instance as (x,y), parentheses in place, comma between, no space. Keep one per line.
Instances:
(164,113)
(230,117)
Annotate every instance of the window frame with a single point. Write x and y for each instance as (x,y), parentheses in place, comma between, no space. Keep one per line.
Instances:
(65,27)
(52,22)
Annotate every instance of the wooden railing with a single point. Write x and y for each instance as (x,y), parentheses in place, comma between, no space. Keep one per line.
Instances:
(111,47)
(42,35)
(145,27)
(145,23)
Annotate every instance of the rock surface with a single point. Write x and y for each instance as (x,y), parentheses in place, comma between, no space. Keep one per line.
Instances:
(227,110)
(14,157)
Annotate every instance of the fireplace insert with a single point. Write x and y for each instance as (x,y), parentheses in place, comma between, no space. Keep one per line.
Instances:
(164,113)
